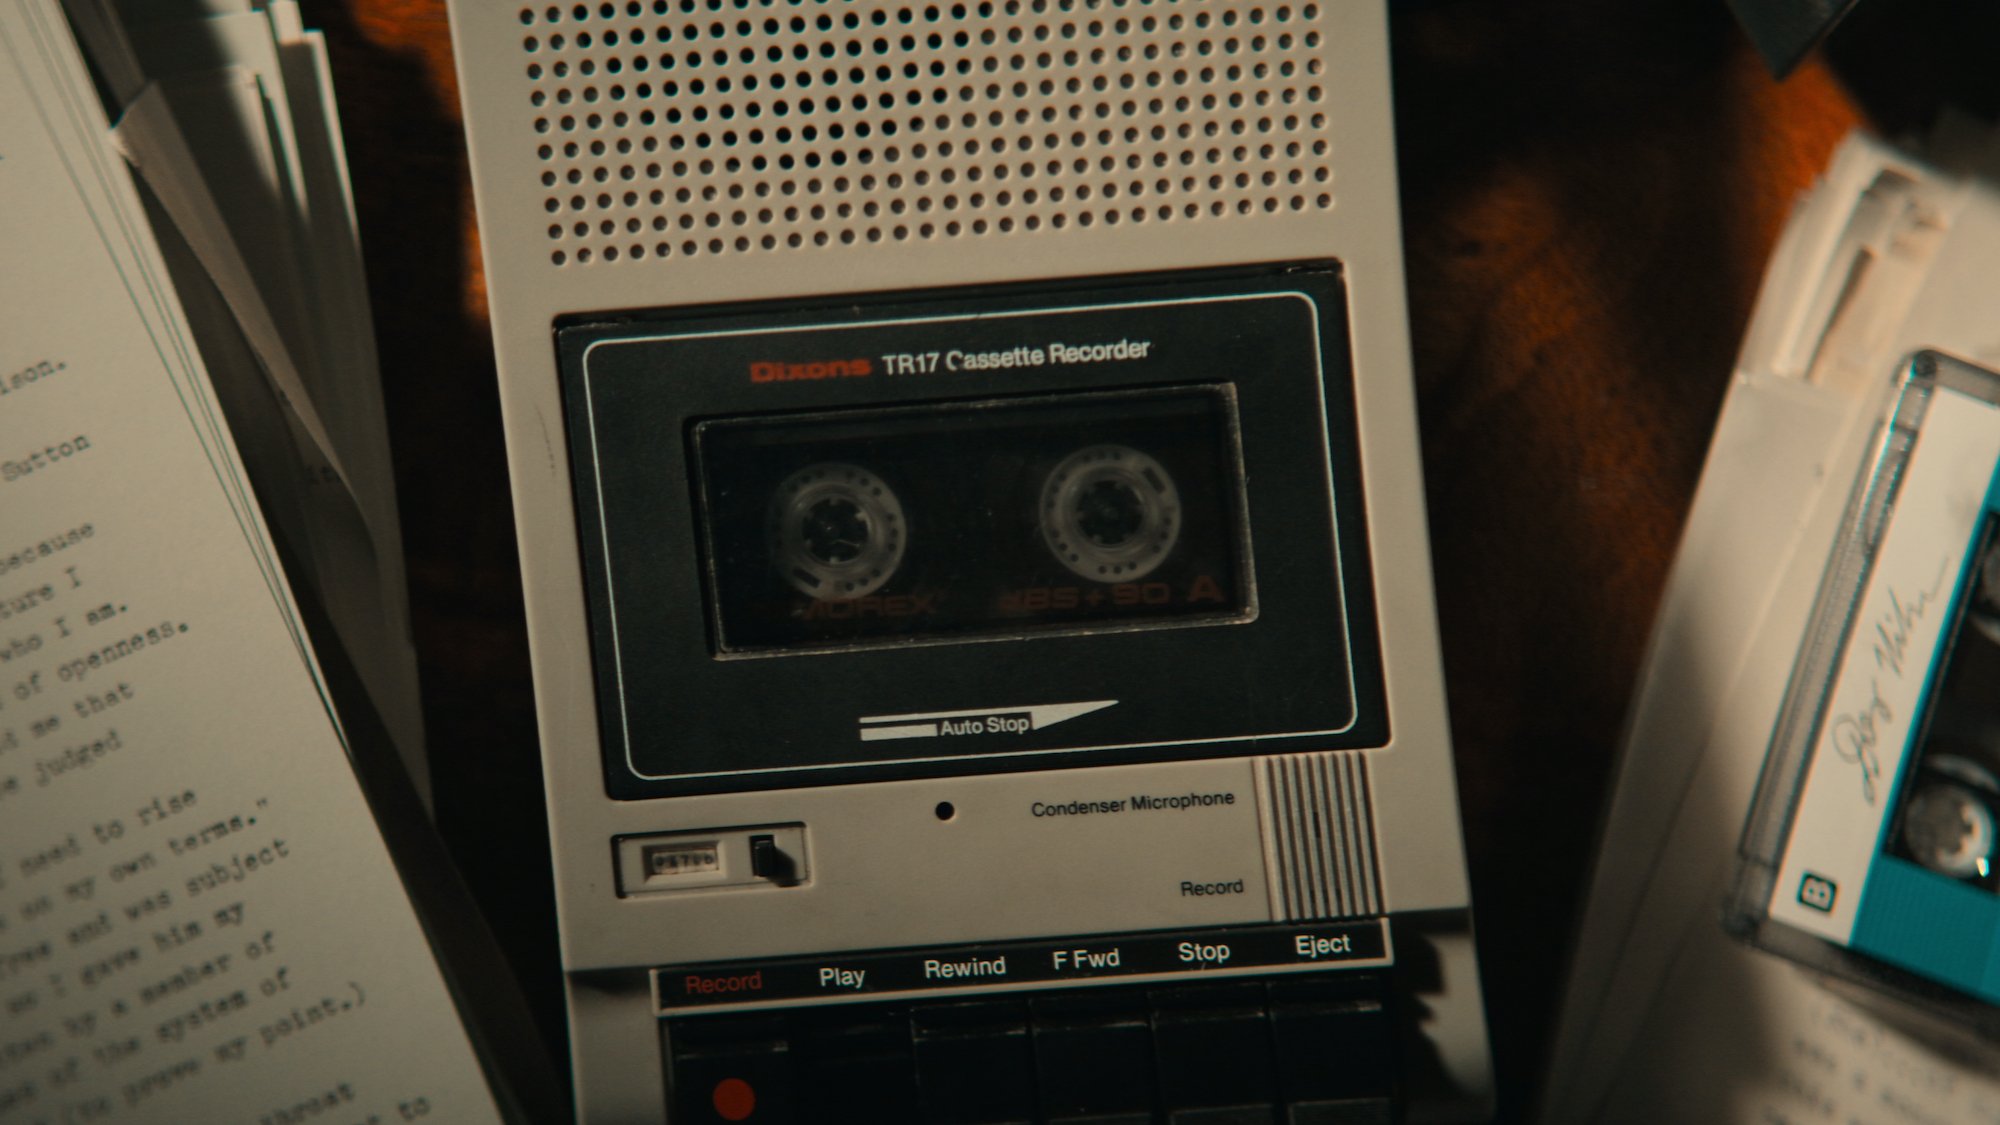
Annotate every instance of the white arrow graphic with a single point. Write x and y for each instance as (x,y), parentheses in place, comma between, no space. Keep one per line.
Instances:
(981,720)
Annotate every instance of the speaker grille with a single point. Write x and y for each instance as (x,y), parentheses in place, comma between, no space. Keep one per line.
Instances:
(681,128)
(1322,828)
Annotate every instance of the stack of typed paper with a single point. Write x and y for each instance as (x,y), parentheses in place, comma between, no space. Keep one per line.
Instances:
(200,919)
(224,109)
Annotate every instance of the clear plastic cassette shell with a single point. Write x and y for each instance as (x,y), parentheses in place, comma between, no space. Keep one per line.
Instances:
(1872,848)
(989,517)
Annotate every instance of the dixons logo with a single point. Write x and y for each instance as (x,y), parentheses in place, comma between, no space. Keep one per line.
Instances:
(826,369)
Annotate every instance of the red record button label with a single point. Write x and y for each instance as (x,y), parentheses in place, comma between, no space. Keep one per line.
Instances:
(718,985)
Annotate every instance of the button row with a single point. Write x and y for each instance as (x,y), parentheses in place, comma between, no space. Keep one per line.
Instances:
(1299,1048)
(843,975)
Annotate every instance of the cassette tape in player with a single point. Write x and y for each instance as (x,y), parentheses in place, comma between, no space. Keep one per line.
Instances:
(1873,846)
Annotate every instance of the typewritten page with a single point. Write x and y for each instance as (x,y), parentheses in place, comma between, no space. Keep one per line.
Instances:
(198,920)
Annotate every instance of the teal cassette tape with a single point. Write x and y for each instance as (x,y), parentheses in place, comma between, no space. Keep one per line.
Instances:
(1872,850)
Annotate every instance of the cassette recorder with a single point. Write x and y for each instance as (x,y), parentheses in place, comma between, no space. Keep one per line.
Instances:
(1873,847)
(969,505)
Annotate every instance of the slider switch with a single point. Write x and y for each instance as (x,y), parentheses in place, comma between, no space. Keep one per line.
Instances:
(768,862)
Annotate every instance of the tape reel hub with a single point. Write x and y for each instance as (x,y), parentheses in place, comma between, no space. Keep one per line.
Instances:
(1948,825)
(837,531)
(1110,513)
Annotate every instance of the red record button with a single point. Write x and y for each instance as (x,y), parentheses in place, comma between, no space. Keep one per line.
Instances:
(734,1099)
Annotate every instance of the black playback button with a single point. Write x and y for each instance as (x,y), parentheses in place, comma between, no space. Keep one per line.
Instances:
(1213,1053)
(1334,1046)
(853,1066)
(1094,1058)
(975,1063)
(731,1070)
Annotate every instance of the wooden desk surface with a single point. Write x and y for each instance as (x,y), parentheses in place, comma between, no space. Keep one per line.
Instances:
(1590,192)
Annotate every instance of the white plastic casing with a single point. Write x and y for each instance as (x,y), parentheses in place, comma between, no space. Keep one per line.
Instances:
(658,155)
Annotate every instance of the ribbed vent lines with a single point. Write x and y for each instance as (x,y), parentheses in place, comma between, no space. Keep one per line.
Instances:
(1323,832)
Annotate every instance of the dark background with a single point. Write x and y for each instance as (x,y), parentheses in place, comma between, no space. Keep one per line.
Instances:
(1590,190)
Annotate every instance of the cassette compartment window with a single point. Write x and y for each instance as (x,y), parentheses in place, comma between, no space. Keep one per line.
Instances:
(990,517)
(801,522)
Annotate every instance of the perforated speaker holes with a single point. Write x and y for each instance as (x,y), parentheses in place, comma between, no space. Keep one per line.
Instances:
(686,127)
